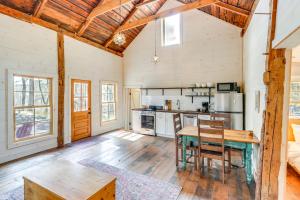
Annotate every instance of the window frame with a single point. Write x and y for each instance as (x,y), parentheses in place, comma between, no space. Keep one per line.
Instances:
(163,34)
(292,101)
(115,84)
(11,139)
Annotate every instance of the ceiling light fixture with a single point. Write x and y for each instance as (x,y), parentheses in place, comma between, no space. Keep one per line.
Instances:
(155,57)
(120,38)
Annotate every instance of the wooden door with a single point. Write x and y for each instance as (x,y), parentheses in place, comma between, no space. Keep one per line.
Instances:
(81,109)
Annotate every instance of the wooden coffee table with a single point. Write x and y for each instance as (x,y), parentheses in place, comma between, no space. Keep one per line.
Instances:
(66,180)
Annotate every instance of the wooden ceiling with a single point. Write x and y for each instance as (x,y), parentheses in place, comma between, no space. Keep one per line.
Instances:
(99,20)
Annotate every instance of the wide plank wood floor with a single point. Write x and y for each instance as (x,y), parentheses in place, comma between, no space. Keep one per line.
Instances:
(151,156)
(292,184)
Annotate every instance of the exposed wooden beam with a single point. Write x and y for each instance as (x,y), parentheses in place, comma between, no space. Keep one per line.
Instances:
(144,3)
(166,13)
(61,88)
(126,20)
(100,9)
(39,8)
(250,17)
(270,147)
(31,19)
(232,8)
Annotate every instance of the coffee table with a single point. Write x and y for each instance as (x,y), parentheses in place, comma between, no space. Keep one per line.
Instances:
(67,180)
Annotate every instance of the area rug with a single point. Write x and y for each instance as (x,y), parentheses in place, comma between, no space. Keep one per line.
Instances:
(129,186)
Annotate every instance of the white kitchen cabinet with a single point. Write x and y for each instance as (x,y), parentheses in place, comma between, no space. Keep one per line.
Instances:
(170,125)
(160,123)
(136,121)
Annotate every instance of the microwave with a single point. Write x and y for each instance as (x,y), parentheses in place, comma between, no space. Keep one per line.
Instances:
(227,87)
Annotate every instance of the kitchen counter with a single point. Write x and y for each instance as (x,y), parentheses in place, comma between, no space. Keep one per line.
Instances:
(176,111)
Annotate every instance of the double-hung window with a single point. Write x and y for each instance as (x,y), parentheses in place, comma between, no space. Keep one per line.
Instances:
(295,99)
(171,30)
(32,107)
(108,102)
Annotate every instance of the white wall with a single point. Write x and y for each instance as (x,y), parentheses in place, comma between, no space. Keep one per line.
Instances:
(86,62)
(287,24)
(211,51)
(31,49)
(254,62)
(27,48)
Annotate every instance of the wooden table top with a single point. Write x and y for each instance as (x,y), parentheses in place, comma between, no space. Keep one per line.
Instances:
(229,134)
(69,180)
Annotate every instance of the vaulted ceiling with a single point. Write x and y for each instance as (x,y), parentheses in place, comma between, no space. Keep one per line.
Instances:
(99,20)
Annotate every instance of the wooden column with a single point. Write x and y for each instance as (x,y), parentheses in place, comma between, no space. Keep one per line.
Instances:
(268,171)
(61,88)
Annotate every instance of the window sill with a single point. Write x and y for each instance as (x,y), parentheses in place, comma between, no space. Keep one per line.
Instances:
(30,141)
(103,123)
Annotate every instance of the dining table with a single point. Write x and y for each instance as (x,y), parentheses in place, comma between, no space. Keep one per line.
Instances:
(234,138)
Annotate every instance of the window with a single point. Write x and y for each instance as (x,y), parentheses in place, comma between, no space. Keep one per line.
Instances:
(108,102)
(295,99)
(81,98)
(171,30)
(32,107)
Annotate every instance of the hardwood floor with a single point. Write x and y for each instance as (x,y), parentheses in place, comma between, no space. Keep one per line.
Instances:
(151,156)
(292,184)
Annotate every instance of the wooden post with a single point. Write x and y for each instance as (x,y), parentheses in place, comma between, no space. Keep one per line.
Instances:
(61,88)
(270,147)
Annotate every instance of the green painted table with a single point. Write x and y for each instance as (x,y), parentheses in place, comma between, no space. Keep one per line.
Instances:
(234,138)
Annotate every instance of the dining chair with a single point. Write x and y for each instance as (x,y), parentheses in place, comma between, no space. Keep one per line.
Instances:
(227,125)
(211,143)
(178,141)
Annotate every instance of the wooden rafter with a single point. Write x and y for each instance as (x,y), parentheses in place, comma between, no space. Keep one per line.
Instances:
(250,17)
(166,13)
(232,8)
(39,8)
(31,19)
(143,3)
(100,9)
(127,19)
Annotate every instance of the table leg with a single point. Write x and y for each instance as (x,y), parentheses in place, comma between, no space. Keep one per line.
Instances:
(184,141)
(248,163)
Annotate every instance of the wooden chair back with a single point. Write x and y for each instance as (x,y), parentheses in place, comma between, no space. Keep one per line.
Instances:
(224,117)
(211,135)
(177,122)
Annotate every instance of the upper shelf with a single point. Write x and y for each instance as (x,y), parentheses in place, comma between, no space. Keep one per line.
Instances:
(175,88)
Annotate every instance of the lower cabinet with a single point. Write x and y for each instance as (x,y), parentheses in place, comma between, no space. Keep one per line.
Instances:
(164,124)
(136,121)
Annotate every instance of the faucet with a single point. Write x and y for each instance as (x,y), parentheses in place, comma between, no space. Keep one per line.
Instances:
(178,104)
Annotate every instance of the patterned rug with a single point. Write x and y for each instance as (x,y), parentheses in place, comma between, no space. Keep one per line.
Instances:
(129,186)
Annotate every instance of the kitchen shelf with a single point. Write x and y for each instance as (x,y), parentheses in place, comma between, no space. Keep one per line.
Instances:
(195,96)
(175,88)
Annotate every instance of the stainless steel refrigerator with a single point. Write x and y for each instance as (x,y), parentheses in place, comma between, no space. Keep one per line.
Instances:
(232,103)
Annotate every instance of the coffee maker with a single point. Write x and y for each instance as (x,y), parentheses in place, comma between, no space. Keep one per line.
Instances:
(205,107)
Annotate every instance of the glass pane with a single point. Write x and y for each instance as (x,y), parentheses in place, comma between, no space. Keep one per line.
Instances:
(24,130)
(295,109)
(111,107)
(41,85)
(110,97)
(84,104)
(23,99)
(77,89)
(77,104)
(42,128)
(112,116)
(110,88)
(42,114)
(104,116)
(41,99)
(23,84)
(172,30)
(85,90)
(104,97)
(104,88)
(24,115)
(105,107)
